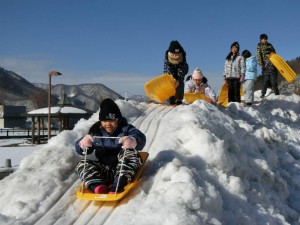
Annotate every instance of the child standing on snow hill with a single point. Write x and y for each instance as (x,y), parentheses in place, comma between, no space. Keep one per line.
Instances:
(119,139)
(270,75)
(250,77)
(175,64)
(234,73)
(198,84)
(261,53)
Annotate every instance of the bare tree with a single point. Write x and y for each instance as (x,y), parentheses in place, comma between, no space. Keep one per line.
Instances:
(39,99)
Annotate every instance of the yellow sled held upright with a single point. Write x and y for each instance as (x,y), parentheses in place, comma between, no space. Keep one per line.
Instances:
(223,95)
(160,88)
(286,71)
(86,194)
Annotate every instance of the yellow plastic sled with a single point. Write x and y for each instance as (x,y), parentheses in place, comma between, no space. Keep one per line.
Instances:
(223,95)
(160,88)
(86,194)
(286,71)
(191,97)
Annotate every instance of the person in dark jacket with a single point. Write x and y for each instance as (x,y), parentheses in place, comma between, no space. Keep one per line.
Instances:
(175,64)
(261,51)
(270,75)
(262,56)
(115,145)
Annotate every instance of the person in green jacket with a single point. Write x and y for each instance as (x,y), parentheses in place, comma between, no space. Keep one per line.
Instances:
(261,51)
(262,57)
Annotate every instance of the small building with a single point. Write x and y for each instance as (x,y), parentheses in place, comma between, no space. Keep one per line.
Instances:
(10,116)
(63,117)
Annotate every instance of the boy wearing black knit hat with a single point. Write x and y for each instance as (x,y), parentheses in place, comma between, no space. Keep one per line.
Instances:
(116,152)
(175,64)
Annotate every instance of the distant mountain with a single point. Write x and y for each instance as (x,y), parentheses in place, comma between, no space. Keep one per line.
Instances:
(11,80)
(15,90)
(86,96)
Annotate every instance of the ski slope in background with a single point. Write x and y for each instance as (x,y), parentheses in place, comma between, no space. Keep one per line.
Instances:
(207,165)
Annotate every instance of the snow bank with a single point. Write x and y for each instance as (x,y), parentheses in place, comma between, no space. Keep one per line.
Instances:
(207,165)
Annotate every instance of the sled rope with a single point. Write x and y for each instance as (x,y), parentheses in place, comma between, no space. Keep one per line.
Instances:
(101,137)
(85,153)
(120,173)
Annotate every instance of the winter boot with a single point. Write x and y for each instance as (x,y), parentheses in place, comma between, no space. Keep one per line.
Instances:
(178,102)
(172,100)
(101,189)
(98,188)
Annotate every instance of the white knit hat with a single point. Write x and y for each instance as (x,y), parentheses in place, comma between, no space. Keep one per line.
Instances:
(197,74)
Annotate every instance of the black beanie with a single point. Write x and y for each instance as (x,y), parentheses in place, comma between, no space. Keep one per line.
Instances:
(236,44)
(109,110)
(175,47)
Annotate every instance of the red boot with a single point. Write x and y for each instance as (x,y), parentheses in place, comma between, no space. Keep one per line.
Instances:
(101,189)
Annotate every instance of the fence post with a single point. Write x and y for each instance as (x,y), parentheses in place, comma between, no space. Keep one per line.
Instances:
(8,163)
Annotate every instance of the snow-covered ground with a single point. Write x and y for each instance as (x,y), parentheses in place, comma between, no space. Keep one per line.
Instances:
(15,154)
(207,165)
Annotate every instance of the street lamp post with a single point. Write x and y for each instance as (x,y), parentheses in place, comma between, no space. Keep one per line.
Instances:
(52,73)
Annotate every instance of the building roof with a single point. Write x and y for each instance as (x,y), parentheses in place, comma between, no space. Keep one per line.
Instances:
(64,100)
(64,107)
(56,110)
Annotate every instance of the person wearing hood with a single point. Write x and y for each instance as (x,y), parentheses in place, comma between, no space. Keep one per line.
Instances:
(198,84)
(175,64)
(250,77)
(116,157)
(234,72)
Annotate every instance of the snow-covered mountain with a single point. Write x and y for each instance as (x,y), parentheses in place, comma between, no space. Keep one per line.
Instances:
(15,90)
(86,96)
(207,165)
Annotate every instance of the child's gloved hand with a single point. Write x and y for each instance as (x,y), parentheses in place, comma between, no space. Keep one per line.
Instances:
(212,100)
(86,142)
(128,142)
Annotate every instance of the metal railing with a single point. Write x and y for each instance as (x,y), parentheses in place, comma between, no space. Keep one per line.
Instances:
(25,133)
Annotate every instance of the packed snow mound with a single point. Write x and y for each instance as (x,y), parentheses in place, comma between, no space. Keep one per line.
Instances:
(207,165)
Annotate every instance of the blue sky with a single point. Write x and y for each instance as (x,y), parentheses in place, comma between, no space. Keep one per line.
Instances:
(121,44)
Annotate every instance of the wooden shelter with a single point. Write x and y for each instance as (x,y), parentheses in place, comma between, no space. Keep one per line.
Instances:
(64,112)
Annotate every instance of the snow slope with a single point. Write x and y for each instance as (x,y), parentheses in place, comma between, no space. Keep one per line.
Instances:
(207,165)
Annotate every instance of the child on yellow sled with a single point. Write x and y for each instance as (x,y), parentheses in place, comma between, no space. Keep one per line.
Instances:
(116,152)
(198,84)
